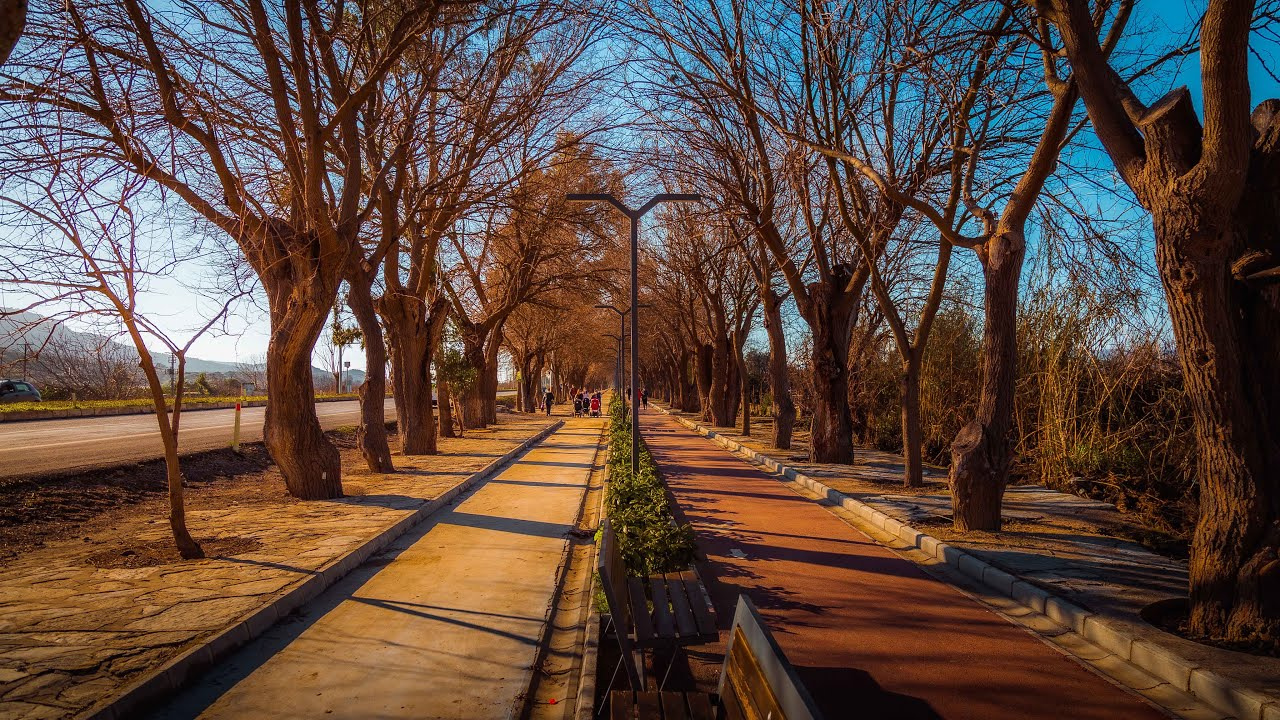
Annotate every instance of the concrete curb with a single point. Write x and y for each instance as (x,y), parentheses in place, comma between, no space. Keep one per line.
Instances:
(188,665)
(1184,674)
(28,415)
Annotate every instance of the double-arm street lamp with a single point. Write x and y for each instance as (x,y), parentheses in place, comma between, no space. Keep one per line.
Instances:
(634,216)
(622,330)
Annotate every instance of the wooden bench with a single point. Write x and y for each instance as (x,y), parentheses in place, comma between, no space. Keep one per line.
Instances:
(659,611)
(756,683)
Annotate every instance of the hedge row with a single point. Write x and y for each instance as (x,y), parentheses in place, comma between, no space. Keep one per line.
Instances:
(650,539)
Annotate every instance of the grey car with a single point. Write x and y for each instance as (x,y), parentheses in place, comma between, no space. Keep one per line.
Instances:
(12,391)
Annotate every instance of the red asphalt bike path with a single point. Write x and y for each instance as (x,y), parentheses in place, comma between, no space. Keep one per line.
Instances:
(870,633)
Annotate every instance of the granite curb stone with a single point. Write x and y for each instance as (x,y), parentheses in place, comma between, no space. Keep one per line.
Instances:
(1213,689)
(172,675)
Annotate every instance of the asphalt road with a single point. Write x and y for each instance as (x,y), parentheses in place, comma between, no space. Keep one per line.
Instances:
(41,447)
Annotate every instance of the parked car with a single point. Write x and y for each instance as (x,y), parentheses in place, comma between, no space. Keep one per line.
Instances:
(12,391)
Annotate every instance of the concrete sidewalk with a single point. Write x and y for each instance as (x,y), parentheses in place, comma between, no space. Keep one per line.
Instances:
(868,630)
(446,624)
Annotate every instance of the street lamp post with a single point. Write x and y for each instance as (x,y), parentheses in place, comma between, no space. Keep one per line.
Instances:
(622,330)
(634,216)
(617,366)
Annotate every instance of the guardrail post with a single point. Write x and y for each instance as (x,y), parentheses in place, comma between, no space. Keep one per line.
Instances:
(235,431)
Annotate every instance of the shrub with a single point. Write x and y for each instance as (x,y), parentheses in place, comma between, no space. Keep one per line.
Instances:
(649,538)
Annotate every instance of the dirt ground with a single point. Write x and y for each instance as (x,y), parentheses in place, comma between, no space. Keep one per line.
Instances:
(105,507)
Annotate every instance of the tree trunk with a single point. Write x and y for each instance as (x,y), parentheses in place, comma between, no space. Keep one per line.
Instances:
(479,411)
(187,546)
(705,377)
(782,407)
(13,18)
(688,386)
(371,435)
(308,462)
(413,329)
(830,321)
(912,455)
(981,454)
(744,389)
(1228,336)
(721,384)
(444,398)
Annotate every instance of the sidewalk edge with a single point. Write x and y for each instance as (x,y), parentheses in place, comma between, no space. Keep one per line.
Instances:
(175,673)
(1211,688)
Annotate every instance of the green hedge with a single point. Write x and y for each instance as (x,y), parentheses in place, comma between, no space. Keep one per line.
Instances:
(650,539)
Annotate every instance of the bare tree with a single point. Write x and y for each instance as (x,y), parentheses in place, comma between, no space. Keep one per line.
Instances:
(89,369)
(251,118)
(1211,188)
(77,244)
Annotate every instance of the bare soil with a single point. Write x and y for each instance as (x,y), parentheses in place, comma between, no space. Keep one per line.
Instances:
(34,511)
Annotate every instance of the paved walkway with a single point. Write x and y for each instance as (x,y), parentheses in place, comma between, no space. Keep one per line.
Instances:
(446,624)
(73,634)
(867,629)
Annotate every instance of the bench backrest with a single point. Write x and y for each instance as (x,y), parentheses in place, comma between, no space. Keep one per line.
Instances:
(613,578)
(757,682)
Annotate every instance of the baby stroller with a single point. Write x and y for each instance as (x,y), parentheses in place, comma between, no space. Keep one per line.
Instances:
(577,405)
(595,405)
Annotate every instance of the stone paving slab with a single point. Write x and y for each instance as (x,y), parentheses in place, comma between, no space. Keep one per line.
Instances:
(72,634)
(1091,583)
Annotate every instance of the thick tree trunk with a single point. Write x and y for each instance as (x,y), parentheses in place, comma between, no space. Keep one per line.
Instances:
(13,18)
(830,321)
(722,386)
(372,432)
(981,454)
(705,374)
(480,400)
(413,329)
(782,408)
(308,462)
(1228,335)
(912,436)
(689,400)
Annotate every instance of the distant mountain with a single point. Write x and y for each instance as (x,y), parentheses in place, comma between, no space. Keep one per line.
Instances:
(37,331)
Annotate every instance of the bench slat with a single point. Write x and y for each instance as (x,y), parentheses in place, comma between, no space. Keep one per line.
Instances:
(747,682)
(678,592)
(732,706)
(648,706)
(621,705)
(673,706)
(640,612)
(663,623)
(700,707)
(703,613)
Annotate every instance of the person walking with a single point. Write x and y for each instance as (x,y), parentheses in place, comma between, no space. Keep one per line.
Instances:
(549,399)
(644,398)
